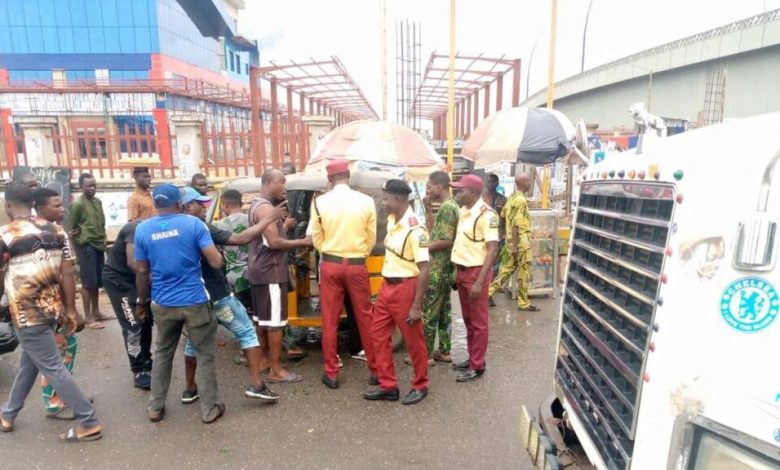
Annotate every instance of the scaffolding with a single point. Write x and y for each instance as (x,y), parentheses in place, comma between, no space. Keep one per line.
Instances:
(474,78)
(714,97)
(408,62)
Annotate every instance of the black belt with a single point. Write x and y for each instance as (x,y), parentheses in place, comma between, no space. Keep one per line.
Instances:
(340,260)
(396,280)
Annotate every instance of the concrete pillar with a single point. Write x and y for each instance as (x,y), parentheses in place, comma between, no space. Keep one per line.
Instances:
(38,143)
(188,144)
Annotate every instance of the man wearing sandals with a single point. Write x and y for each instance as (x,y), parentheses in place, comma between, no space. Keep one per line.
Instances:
(228,309)
(168,252)
(88,227)
(268,273)
(38,279)
(516,254)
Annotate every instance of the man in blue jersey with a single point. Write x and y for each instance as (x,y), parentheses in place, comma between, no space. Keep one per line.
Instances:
(168,250)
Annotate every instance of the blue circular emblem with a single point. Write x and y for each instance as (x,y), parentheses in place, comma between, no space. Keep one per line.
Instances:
(749,304)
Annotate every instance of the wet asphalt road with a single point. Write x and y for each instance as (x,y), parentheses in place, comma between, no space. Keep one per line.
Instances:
(472,425)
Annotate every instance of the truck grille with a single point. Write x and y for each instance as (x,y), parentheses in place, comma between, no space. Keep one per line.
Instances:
(609,303)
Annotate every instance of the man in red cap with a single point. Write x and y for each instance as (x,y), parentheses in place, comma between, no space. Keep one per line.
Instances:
(344,232)
(473,253)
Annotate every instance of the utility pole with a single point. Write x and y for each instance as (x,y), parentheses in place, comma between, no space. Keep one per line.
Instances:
(530,61)
(383,19)
(551,62)
(584,36)
(451,94)
(550,94)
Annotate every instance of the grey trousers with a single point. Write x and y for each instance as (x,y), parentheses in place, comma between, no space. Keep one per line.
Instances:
(40,354)
(202,329)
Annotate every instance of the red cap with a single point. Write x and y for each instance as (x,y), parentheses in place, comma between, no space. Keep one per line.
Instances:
(336,167)
(469,182)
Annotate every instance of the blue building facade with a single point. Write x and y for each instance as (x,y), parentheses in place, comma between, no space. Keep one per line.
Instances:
(84,40)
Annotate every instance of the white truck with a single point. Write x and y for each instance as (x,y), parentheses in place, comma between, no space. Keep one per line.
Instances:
(669,338)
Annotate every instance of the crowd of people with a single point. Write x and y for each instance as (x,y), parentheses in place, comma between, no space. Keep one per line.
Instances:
(171,270)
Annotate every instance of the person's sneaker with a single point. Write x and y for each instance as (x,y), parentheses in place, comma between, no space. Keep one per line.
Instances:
(491,302)
(262,393)
(361,356)
(143,380)
(189,396)
(341,363)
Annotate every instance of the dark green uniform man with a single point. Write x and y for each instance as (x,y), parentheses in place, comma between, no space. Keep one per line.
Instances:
(437,310)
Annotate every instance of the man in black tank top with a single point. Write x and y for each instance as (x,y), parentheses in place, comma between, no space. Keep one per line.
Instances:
(267,272)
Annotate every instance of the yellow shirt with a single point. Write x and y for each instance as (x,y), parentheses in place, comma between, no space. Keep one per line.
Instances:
(474,231)
(346,224)
(402,252)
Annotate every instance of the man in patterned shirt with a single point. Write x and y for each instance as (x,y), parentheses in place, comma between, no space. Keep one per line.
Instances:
(38,278)
(516,254)
(437,309)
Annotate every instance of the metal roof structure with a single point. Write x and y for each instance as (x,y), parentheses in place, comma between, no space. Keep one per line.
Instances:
(472,74)
(325,82)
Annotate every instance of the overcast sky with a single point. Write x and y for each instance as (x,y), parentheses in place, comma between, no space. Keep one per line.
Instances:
(350,29)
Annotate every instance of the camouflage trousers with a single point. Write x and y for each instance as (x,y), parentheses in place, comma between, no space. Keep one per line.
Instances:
(68,347)
(510,265)
(437,312)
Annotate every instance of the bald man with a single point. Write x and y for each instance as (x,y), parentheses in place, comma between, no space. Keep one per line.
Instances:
(516,254)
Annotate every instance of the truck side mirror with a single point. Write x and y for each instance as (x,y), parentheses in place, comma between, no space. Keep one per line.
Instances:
(756,248)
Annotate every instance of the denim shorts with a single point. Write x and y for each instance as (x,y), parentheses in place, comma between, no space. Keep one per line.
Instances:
(232,315)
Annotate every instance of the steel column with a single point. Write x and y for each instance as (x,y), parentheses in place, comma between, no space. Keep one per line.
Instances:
(476,109)
(275,152)
(487,100)
(290,137)
(516,83)
(499,92)
(468,116)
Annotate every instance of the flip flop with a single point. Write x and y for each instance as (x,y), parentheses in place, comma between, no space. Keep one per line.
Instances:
(4,427)
(71,437)
(291,378)
(65,414)
(95,325)
(530,308)
(241,361)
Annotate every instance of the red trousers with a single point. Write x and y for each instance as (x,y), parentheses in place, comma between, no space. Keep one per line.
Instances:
(475,314)
(336,279)
(392,309)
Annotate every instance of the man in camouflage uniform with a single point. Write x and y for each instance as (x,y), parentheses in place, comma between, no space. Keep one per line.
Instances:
(437,309)
(516,254)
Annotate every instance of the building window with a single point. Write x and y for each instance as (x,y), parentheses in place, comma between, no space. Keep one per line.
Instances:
(58,77)
(246,68)
(232,62)
(91,142)
(102,77)
(238,64)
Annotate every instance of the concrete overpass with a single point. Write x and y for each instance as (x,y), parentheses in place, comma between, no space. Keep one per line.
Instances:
(673,78)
